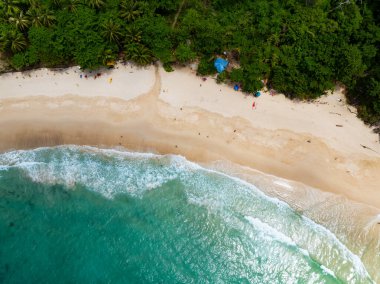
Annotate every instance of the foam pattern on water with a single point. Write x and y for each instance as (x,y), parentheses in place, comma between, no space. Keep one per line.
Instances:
(290,241)
(108,172)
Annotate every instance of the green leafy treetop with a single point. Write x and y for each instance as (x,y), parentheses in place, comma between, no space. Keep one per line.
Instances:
(301,48)
(12,41)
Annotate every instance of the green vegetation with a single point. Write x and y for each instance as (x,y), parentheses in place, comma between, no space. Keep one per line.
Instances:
(300,47)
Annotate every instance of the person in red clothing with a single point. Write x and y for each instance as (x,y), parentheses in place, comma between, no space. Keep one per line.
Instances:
(253,105)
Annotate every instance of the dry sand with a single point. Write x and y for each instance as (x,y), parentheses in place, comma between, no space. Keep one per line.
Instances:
(147,109)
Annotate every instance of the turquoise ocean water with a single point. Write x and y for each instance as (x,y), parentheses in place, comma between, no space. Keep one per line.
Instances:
(75,214)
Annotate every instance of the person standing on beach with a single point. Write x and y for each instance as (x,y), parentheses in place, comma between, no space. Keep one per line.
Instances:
(253,105)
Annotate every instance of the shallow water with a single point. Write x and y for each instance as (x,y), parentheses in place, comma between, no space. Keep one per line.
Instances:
(82,214)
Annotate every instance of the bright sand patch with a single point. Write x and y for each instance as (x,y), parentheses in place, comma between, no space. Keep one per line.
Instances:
(319,118)
(172,113)
(127,82)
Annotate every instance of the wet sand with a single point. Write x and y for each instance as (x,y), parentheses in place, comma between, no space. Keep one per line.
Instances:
(151,110)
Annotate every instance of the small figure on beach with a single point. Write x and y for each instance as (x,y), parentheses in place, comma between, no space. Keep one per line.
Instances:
(253,105)
(110,80)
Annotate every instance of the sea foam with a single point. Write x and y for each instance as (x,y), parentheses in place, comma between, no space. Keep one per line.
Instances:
(112,172)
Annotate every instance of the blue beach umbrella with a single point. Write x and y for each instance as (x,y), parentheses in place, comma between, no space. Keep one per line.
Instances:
(220,64)
(258,94)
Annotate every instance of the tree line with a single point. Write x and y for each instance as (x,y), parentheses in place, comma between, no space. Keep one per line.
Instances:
(302,48)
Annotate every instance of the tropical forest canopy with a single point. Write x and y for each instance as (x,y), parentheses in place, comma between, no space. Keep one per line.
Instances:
(302,48)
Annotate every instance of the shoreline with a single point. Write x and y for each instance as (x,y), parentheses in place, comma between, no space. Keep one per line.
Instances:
(355,246)
(153,111)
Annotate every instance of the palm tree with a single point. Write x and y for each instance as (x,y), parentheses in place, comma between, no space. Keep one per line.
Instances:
(40,17)
(130,10)
(34,17)
(111,31)
(143,56)
(138,53)
(95,4)
(58,4)
(20,21)
(132,35)
(10,7)
(130,50)
(47,17)
(33,3)
(12,41)
(72,5)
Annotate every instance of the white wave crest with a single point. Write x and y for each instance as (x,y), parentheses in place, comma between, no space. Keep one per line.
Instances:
(106,171)
(270,231)
(111,172)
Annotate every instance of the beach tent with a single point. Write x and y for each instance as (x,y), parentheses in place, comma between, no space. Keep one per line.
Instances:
(220,64)
(258,94)
(236,87)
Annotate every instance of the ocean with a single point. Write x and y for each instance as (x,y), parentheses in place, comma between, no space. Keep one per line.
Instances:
(78,214)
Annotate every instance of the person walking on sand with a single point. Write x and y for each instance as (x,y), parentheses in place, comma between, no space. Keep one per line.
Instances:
(253,105)
(110,80)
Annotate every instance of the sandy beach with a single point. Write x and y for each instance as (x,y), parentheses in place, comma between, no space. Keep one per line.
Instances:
(321,144)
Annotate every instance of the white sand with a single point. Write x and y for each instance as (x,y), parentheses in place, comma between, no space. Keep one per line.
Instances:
(127,82)
(172,113)
(274,112)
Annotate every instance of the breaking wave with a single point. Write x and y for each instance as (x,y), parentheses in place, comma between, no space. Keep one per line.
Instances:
(162,219)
